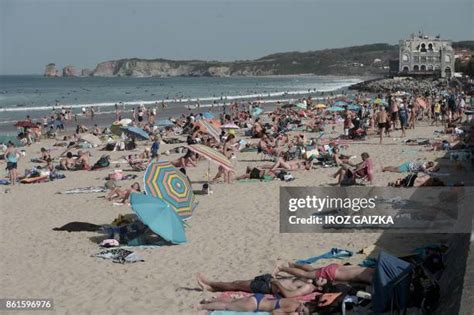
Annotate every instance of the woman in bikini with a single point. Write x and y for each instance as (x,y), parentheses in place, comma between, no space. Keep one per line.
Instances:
(187,160)
(258,303)
(123,194)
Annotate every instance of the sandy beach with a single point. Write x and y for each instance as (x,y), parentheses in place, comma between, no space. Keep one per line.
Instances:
(233,234)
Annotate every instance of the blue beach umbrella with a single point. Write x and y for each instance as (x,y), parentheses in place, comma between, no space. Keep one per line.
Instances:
(135,132)
(256,111)
(164,123)
(336,109)
(354,107)
(340,104)
(159,216)
(301,105)
(208,115)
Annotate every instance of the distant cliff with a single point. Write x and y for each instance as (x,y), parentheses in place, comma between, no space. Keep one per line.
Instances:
(359,60)
(365,60)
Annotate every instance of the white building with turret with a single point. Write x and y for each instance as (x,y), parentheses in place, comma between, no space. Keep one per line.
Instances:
(425,55)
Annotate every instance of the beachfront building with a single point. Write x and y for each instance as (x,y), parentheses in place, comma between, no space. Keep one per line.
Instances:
(426,55)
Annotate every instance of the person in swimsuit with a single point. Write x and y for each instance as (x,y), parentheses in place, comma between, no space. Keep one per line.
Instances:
(413,167)
(258,303)
(229,150)
(294,165)
(381,120)
(11,156)
(331,272)
(187,160)
(123,194)
(255,173)
(417,180)
(264,284)
(363,169)
(67,163)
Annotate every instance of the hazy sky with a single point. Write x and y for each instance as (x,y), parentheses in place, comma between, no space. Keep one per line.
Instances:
(83,33)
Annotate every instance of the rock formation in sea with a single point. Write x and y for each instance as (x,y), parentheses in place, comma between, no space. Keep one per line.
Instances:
(51,71)
(86,72)
(69,71)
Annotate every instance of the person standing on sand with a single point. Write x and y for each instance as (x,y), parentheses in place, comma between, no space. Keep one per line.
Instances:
(403,116)
(11,156)
(381,120)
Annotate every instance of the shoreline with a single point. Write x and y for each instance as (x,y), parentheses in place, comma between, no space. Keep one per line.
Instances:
(174,109)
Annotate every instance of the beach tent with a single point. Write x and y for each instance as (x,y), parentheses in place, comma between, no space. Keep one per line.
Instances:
(391,283)
(164,181)
(135,132)
(159,216)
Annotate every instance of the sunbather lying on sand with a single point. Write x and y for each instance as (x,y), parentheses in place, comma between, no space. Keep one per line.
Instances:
(417,180)
(293,165)
(255,173)
(412,167)
(122,194)
(258,303)
(265,284)
(331,272)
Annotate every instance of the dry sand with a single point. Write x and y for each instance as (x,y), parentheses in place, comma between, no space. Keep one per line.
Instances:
(234,234)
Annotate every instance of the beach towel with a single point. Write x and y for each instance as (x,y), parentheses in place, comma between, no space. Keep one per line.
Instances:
(79,227)
(119,255)
(333,253)
(4,182)
(84,190)
(265,179)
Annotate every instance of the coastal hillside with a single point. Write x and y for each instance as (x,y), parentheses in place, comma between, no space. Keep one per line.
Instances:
(364,60)
(358,60)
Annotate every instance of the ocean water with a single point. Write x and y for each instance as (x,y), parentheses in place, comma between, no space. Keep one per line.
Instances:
(37,96)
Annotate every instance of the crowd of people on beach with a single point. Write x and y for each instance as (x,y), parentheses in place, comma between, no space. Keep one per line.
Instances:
(295,138)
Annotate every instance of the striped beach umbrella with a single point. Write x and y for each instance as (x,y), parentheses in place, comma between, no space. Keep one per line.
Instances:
(164,181)
(212,155)
(211,129)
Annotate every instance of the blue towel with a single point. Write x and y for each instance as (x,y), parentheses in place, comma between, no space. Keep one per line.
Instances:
(333,253)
